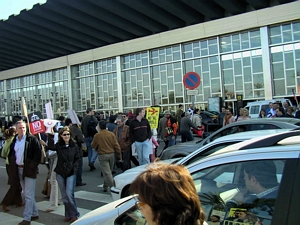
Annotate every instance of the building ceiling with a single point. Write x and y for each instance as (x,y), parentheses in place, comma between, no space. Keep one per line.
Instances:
(63,27)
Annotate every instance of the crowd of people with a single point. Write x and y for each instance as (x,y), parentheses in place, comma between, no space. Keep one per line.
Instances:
(113,140)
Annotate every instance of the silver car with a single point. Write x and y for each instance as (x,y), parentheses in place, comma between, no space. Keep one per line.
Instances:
(183,149)
(220,176)
(123,180)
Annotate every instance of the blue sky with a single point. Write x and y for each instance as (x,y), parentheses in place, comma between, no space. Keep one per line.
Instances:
(10,7)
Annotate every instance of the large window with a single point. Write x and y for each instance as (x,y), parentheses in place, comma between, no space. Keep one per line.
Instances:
(94,84)
(37,90)
(243,74)
(3,101)
(285,58)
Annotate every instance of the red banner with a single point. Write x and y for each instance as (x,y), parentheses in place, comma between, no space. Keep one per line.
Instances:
(35,123)
(37,127)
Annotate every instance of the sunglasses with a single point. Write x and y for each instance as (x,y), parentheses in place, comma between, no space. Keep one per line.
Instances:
(139,204)
(65,134)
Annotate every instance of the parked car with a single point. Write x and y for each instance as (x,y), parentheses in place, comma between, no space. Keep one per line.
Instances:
(209,120)
(255,107)
(220,176)
(183,149)
(124,180)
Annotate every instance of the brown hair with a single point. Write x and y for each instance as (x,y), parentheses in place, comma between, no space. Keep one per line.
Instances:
(60,139)
(170,192)
(10,132)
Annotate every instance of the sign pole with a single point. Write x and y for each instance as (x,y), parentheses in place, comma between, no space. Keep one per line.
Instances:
(193,99)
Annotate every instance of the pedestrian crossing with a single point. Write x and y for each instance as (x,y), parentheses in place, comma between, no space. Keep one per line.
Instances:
(11,219)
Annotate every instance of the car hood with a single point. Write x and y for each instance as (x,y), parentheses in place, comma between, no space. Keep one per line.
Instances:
(128,176)
(107,213)
(187,147)
(184,145)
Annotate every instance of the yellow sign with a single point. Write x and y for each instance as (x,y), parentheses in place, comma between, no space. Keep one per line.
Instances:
(153,116)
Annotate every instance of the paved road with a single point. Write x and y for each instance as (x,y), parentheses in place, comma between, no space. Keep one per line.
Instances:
(88,197)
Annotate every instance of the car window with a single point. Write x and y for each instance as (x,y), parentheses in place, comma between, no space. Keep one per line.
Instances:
(254,109)
(239,193)
(207,152)
(230,130)
(265,107)
(133,216)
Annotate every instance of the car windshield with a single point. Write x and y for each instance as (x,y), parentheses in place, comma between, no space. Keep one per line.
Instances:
(218,185)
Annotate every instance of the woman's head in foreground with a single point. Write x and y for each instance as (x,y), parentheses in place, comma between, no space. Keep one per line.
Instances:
(167,195)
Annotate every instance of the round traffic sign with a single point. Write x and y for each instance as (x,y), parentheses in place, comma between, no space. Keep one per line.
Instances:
(191,80)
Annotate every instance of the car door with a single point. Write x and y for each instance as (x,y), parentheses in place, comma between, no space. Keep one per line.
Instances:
(218,185)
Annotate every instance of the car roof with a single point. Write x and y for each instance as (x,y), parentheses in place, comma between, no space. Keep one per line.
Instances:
(246,135)
(282,139)
(281,145)
(267,101)
(282,122)
(278,120)
(277,152)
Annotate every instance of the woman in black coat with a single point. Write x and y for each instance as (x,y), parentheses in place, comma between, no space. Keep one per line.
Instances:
(66,168)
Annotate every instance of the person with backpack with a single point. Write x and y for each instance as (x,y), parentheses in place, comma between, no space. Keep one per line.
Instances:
(88,127)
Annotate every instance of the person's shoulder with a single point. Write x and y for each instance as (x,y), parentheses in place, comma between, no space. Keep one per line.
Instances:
(31,137)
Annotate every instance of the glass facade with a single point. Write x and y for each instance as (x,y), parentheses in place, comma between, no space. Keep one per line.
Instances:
(3,100)
(229,65)
(285,58)
(94,85)
(37,90)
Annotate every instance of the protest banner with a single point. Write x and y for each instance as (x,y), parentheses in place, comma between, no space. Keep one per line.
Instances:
(153,116)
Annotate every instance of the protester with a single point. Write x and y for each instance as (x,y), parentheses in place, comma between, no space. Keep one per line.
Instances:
(186,125)
(229,118)
(171,129)
(178,116)
(140,133)
(154,145)
(66,169)
(88,121)
(55,194)
(111,125)
(24,158)
(13,195)
(221,116)
(289,112)
(122,134)
(262,114)
(107,145)
(77,136)
(191,110)
(244,115)
(175,203)
(161,133)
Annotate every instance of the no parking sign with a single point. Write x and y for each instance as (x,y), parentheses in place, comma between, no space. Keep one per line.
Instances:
(191,80)
(35,123)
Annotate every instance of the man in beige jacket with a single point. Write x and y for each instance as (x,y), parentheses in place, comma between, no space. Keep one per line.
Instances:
(106,144)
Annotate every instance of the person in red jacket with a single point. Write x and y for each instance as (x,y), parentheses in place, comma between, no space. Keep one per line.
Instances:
(171,129)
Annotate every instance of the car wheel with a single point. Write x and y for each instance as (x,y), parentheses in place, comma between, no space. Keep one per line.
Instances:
(126,192)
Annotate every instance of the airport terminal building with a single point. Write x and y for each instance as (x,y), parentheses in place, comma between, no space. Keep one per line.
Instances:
(245,47)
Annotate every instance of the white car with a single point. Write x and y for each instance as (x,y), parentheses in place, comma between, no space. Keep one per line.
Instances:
(122,181)
(220,176)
